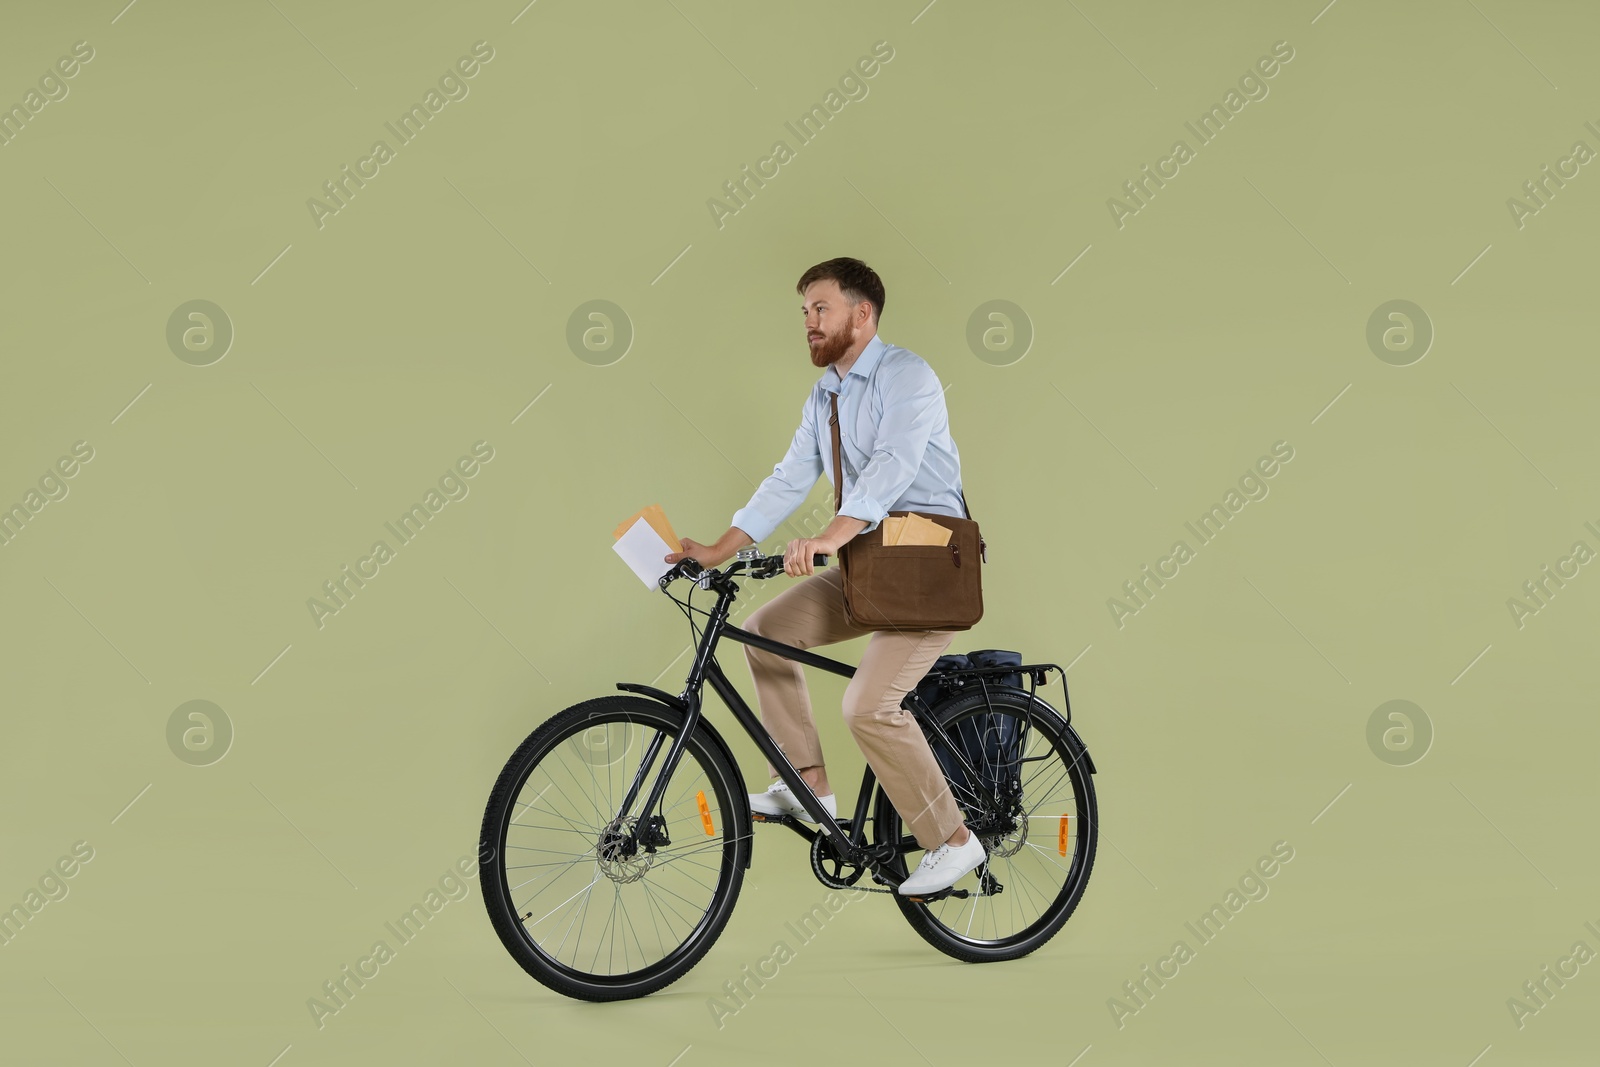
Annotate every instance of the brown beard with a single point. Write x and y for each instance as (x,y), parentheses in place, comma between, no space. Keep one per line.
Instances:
(833,348)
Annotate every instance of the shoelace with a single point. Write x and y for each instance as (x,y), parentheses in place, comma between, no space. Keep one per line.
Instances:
(932,858)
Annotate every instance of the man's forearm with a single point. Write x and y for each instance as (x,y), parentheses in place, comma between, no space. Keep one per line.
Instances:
(841,529)
(732,541)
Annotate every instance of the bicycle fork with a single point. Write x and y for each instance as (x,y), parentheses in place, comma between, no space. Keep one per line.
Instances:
(649,831)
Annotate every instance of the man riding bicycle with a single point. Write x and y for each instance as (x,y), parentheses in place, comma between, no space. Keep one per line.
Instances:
(898,455)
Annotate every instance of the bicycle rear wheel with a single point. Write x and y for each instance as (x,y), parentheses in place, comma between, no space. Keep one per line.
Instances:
(1041,843)
(579,909)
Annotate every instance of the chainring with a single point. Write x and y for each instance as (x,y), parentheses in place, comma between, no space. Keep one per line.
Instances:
(830,870)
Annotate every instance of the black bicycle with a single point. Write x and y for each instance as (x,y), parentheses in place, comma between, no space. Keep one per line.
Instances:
(617,836)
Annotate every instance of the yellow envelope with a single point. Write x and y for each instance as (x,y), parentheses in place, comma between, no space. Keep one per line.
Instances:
(657,520)
(916,530)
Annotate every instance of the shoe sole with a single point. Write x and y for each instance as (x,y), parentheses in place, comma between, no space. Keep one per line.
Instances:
(761,816)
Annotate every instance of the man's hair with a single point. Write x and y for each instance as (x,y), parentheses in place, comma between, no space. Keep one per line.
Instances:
(857,282)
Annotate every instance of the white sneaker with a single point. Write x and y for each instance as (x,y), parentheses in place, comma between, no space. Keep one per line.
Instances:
(942,867)
(779,799)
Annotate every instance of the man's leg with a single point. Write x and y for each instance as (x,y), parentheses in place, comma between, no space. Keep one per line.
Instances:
(808,613)
(892,665)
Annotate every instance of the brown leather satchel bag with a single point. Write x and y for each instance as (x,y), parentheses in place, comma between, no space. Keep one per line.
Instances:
(910,587)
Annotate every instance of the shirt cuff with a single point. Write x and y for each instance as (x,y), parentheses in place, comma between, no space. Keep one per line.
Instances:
(867,510)
(752,522)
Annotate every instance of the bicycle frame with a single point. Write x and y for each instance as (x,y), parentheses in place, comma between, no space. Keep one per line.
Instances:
(850,847)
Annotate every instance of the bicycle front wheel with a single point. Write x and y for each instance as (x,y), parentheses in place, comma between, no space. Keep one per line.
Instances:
(580,908)
(1029,796)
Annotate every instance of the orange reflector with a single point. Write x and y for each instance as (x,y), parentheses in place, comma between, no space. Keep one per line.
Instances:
(705,813)
(1061,840)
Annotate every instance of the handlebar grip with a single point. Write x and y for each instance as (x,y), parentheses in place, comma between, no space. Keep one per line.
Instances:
(819,559)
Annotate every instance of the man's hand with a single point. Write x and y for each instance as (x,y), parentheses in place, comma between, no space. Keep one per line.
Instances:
(705,555)
(797,556)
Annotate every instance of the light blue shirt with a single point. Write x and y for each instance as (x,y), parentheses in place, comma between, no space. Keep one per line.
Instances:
(894,434)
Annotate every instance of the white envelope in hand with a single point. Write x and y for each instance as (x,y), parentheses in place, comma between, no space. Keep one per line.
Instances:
(642,549)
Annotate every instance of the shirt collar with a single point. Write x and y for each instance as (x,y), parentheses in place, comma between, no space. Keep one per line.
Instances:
(863,365)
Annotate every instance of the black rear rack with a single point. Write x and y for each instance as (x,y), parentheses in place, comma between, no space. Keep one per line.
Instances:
(958,678)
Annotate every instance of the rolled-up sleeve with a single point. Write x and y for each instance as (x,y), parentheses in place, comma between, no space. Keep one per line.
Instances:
(791,480)
(912,406)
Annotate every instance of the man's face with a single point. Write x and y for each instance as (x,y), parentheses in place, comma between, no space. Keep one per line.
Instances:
(830,322)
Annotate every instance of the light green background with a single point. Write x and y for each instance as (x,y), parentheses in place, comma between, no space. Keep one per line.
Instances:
(426,316)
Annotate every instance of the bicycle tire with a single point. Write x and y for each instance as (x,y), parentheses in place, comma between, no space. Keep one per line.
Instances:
(1073,758)
(729,810)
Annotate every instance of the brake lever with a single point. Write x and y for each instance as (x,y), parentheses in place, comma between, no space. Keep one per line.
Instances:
(680,570)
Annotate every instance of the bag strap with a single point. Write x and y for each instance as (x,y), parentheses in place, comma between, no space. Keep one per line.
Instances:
(838,476)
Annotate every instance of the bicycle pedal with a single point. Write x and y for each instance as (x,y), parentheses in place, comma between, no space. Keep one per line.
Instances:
(929,898)
(792,820)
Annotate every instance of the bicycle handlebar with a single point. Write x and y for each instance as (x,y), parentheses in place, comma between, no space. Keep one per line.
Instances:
(755,566)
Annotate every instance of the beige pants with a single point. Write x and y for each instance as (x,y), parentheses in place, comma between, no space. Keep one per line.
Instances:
(811,612)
